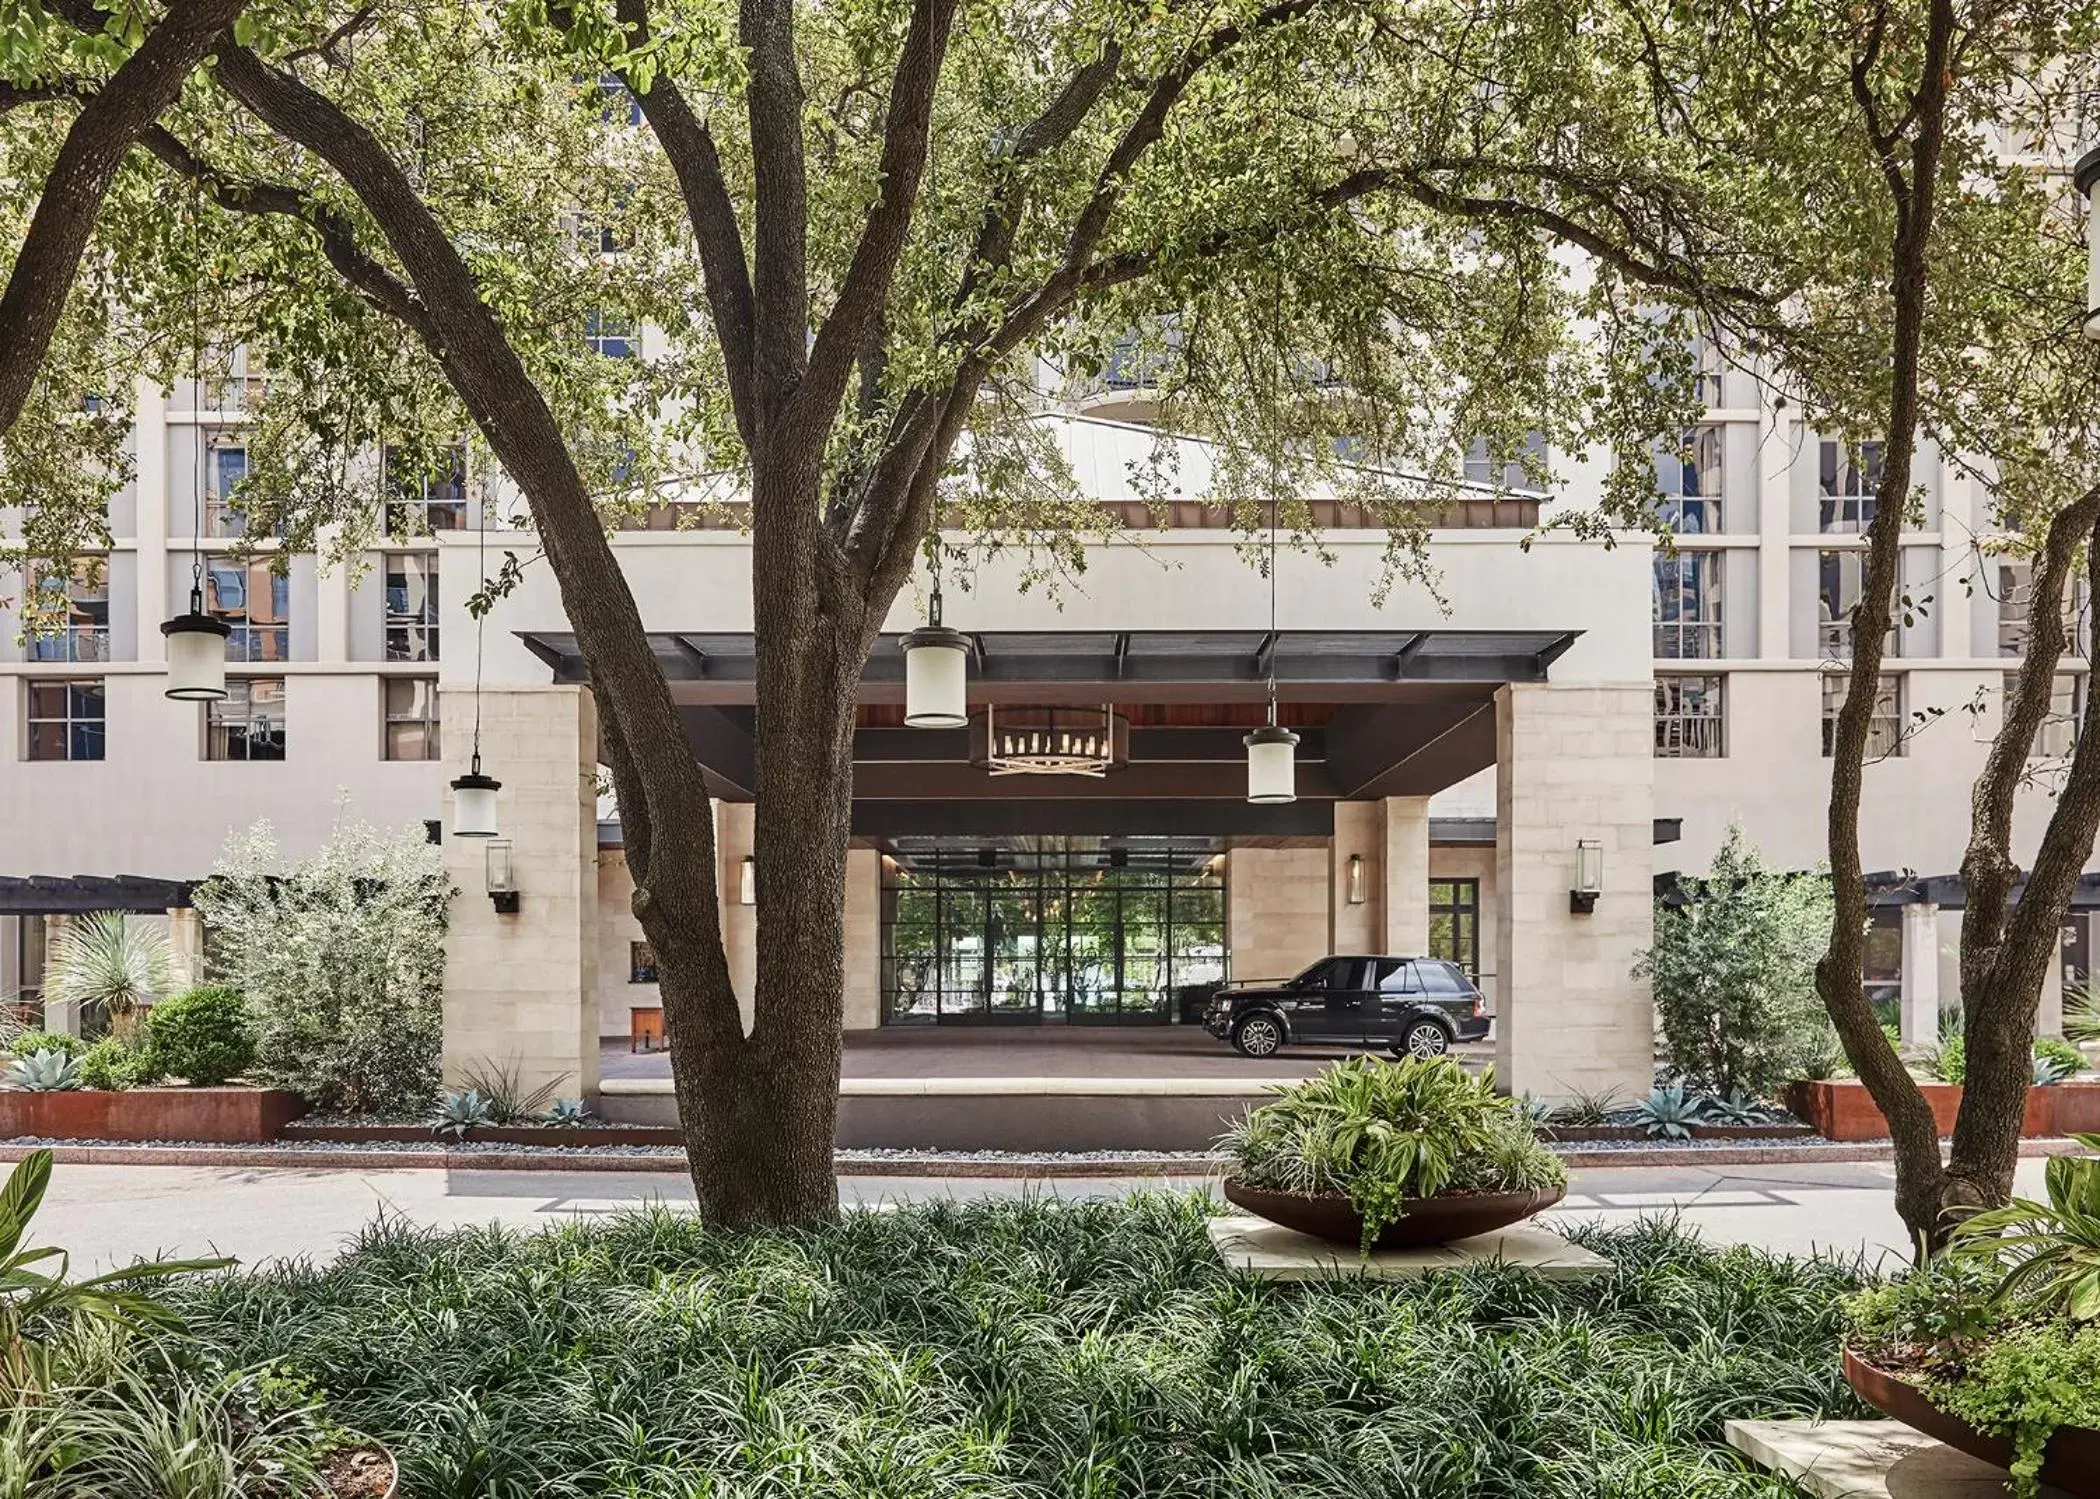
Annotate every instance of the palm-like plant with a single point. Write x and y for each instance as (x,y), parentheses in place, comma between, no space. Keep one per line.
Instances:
(2051,1250)
(104,962)
(2082,1014)
(31,1297)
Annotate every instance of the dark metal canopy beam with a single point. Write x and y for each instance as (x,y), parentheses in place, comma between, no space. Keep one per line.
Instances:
(724,749)
(1147,745)
(1097,818)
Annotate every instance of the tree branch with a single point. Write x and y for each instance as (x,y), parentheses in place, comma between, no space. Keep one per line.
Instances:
(102,134)
(780,262)
(907,127)
(690,148)
(338,237)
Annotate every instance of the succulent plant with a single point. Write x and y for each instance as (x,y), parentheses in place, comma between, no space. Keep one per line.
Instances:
(1737,1108)
(568,1112)
(1670,1113)
(460,1112)
(2050,1070)
(44,1072)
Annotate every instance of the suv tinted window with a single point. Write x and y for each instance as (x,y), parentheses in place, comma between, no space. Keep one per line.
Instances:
(1442,978)
(1397,976)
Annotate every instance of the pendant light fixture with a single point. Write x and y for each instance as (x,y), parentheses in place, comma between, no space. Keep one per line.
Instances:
(1272,750)
(473,794)
(196,640)
(936,665)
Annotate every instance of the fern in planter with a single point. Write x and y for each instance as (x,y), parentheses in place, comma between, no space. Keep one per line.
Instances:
(1383,1134)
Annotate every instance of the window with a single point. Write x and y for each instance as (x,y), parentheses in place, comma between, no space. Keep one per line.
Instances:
(412,607)
(1849,479)
(1481,467)
(78,603)
(411,718)
(225,466)
(2015,594)
(641,963)
(1840,584)
(248,723)
(1442,978)
(1397,976)
(1687,600)
(604,334)
(426,495)
(1454,924)
(1884,733)
(1688,718)
(2057,735)
(65,720)
(1690,503)
(1881,961)
(616,103)
(256,602)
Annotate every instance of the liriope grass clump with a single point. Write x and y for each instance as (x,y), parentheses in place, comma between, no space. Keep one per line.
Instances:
(1030,1349)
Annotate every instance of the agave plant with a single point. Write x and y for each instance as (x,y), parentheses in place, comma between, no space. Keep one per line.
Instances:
(460,1112)
(1670,1112)
(105,964)
(44,1072)
(1737,1107)
(2051,1070)
(568,1112)
(2051,1250)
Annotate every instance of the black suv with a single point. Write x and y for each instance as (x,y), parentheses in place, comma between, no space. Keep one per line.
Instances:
(1410,1006)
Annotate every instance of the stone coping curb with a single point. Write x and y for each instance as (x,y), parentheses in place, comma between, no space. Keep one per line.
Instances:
(438,1158)
(993,1087)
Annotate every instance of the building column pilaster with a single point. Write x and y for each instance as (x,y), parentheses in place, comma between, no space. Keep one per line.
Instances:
(1920,1016)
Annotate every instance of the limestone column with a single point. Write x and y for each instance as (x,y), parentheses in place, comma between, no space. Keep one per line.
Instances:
(1920,1019)
(734,825)
(1356,902)
(186,947)
(1406,876)
(2049,1019)
(521,989)
(863,939)
(60,1018)
(1573,763)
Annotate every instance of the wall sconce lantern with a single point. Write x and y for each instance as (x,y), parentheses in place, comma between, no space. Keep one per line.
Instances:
(747,881)
(1356,879)
(502,887)
(1589,876)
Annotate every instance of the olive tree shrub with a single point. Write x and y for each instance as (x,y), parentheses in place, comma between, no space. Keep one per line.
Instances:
(1734,971)
(341,957)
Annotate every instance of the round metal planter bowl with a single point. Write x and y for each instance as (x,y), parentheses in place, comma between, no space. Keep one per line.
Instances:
(1428,1220)
(2072,1463)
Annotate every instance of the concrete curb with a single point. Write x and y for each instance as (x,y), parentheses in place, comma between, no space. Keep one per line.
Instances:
(253,1157)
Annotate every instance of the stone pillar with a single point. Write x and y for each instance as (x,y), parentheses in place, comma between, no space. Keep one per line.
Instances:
(863,939)
(2049,1019)
(1406,876)
(521,990)
(1920,1024)
(61,1018)
(1573,763)
(734,823)
(1359,835)
(185,948)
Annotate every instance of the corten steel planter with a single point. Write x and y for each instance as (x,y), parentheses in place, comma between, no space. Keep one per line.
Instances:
(1846,1110)
(2072,1462)
(1428,1220)
(217,1116)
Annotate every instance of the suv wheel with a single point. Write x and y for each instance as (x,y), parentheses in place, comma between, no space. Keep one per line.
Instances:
(1423,1038)
(1258,1036)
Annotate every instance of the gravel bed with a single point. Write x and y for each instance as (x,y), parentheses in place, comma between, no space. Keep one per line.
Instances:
(1195,1159)
(1749,1142)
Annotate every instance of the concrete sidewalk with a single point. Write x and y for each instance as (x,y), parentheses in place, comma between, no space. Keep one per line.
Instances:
(110,1215)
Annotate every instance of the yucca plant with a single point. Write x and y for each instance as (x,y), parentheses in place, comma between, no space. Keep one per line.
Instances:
(501,1087)
(2051,1250)
(108,965)
(44,1072)
(2082,1014)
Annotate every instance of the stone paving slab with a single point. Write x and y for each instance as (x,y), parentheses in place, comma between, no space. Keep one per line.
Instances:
(1272,1252)
(1867,1460)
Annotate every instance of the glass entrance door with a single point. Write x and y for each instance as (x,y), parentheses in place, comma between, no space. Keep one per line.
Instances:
(1080,930)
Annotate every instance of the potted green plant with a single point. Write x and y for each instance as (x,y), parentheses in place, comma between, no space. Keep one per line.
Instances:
(1994,1348)
(1388,1154)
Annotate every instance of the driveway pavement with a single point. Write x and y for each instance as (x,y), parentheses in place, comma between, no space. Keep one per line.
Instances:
(110,1215)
